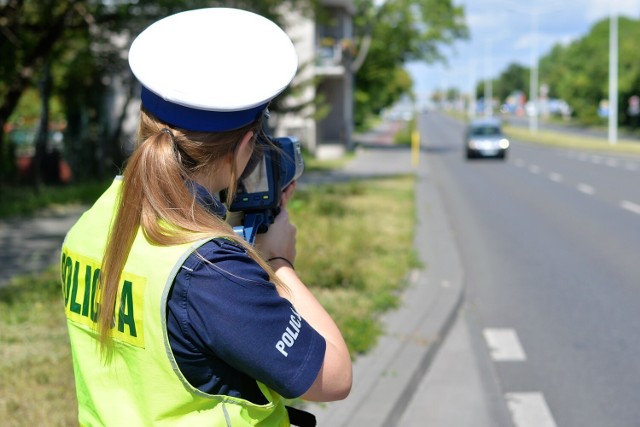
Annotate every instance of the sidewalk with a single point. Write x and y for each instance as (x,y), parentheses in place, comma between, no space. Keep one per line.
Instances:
(31,244)
(387,377)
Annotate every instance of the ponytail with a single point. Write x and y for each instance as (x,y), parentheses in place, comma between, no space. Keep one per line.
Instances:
(156,199)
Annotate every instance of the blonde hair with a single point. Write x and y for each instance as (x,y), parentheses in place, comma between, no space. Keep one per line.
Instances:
(156,198)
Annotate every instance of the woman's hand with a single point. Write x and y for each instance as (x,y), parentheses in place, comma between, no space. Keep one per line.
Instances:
(287,193)
(280,239)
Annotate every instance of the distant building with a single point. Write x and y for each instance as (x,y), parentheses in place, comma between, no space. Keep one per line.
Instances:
(325,124)
(321,103)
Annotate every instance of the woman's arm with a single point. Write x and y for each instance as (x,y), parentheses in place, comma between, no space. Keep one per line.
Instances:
(335,377)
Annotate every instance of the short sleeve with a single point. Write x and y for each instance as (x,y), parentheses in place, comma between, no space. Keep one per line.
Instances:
(228,310)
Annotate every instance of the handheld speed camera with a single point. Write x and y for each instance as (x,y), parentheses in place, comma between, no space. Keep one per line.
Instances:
(276,163)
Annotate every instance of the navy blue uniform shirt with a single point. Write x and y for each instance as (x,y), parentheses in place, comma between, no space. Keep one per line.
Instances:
(228,327)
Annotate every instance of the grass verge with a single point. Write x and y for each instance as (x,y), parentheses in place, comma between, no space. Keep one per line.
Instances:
(36,374)
(567,140)
(23,200)
(403,137)
(355,248)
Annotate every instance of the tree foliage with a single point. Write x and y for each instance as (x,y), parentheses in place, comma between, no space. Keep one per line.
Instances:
(83,41)
(578,72)
(514,78)
(401,31)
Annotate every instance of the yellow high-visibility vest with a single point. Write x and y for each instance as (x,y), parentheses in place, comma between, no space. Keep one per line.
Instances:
(142,385)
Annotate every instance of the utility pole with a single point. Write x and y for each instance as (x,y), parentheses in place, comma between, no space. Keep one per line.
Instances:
(613,76)
(533,84)
(535,12)
(488,83)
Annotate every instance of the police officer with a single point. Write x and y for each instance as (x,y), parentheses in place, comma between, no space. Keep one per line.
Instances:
(172,318)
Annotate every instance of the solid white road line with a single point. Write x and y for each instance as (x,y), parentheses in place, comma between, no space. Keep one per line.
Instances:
(529,410)
(586,189)
(504,345)
(630,206)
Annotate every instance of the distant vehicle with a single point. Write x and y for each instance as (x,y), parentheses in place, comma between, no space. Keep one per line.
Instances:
(484,138)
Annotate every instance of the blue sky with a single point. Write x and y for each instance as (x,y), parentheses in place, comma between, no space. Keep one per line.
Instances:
(501,32)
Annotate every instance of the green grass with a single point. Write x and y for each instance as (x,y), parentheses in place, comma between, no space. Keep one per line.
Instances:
(36,373)
(312,164)
(403,137)
(23,200)
(355,250)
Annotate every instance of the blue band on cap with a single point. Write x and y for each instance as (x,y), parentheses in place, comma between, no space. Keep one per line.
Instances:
(198,120)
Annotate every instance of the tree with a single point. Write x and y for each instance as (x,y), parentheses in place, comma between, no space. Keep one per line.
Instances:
(83,41)
(579,72)
(398,31)
(514,78)
(25,45)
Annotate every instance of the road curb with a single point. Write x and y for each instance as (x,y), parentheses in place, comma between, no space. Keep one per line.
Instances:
(387,377)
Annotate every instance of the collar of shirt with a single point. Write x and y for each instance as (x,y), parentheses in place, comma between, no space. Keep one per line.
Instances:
(208,200)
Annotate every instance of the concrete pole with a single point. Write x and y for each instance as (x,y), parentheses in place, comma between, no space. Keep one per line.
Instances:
(613,77)
(488,83)
(533,84)
(471,112)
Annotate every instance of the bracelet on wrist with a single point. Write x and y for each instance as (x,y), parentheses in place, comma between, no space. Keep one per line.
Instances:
(283,259)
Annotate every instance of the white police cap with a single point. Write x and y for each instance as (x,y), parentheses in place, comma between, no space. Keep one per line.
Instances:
(212,69)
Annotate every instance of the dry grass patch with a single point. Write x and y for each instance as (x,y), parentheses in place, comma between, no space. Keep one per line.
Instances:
(355,246)
(36,373)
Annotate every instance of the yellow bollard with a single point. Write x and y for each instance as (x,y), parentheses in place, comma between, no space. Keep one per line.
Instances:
(415,148)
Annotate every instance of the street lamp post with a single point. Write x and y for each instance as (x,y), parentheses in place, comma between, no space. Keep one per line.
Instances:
(534,77)
(488,83)
(533,84)
(613,77)
(472,91)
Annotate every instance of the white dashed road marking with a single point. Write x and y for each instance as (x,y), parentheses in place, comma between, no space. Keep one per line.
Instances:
(586,189)
(504,345)
(529,410)
(630,206)
(555,177)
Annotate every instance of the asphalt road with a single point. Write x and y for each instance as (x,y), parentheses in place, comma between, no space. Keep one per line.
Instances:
(550,244)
